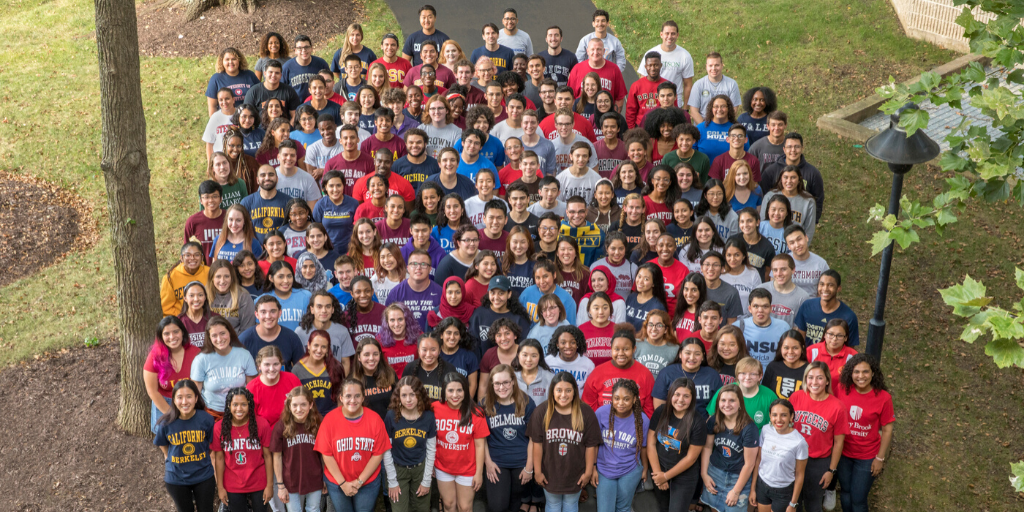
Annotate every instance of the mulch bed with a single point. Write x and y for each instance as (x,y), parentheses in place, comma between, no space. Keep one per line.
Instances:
(42,222)
(163,31)
(61,450)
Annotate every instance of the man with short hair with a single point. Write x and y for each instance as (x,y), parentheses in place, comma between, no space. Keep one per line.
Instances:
(549,202)
(566,140)
(329,93)
(611,47)
(299,69)
(512,36)
(643,94)
(293,181)
(268,332)
(579,179)
(493,234)
(350,115)
(762,332)
(464,75)
(397,185)
(588,236)
(416,166)
(608,72)
(547,241)
(427,32)
(768,149)
(471,163)
(793,147)
(352,163)
(518,215)
(528,173)
(443,77)
(482,119)
(500,56)
(547,99)
(686,136)
(787,297)
(205,225)
(563,100)
(419,232)
(344,271)
(711,266)
(417,292)
(558,61)
(353,81)
(737,139)
(396,65)
(495,97)
(711,85)
(814,315)
(512,126)
(270,88)
(533,142)
(383,138)
(266,206)
(677,64)
(534,77)
(319,101)
(808,266)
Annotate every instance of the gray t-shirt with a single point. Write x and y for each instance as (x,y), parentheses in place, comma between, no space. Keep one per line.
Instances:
(519,42)
(577,185)
(241,318)
(300,184)
(261,64)
(440,138)
(727,297)
(539,210)
(804,211)
(808,271)
(317,154)
(766,152)
(703,90)
(504,132)
(341,340)
(785,306)
(562,156)
(623,273)
(654,357)
(219,374)
(545,155)
(538,389)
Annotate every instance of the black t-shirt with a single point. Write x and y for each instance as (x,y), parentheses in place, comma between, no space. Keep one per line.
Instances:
(409,438)
(521,277)
(728,373)
(480,326)
(377,399)
(633,235)
(431,379)
(760,256)
(258,95)
(673,448)
(532,189)
(782,379)
(531,223)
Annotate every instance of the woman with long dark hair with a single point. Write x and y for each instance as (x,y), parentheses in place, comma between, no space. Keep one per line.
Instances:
(705,239)
(692,364)
(674,444)
(320,372)
(714,205)
(371,368)
(184,434)
(410,462)
(250,275)
(785,374)
(457,349)
(169,361)
(459,467)
(241,455)
(195,312)
(649,295)
(824,422)
(294,301)
(863,392)
(730,453)
(428,367)
(297,466)
(781,462)
(222,365)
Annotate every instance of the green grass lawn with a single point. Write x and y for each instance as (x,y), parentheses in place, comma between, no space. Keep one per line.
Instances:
(958,416)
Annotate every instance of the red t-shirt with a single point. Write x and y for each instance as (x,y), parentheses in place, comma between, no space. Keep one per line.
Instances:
(576,287)
(490,244)
(819,422)
(244,466)
(351,443)
(597,391)
(643,98)
(369,211)
(368,269)
(657,210)
(396,70)
(270,399)
(580,125)
(599,342)
(456,450)
(720,167)
(400,355)
(351,170)
(507,175)
(818,352)
(657,157)
(205,230)
(474,291)
(610,75)
(265,265)
(868,412)
(674,276)
(686,327)
(707,343)
(184,372)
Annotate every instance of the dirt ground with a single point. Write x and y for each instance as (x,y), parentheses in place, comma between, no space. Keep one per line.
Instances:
(164,33)
(66,454)
(41,223)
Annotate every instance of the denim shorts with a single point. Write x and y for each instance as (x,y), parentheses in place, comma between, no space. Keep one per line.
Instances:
(724,482)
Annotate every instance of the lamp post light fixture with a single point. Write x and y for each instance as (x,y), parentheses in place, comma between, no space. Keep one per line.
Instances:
(901,152)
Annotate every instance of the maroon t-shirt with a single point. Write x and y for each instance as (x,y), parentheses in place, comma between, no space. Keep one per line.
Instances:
(489,244)
(367,324)
(351,170)
(196,330)
(609,159)
(205,230)
(303,468)
(400,236)
(443,77)
(576,288)
(184,372)
(396,145)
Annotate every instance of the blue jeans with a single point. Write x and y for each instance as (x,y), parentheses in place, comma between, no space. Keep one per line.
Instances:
(616,494)
(854,483)
(312,501)
(363,501)
(155,414)
(724,482)
(562,502)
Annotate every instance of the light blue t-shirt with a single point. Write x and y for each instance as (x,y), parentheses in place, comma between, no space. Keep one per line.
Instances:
(470,170)
(221,373)
(293,307)
(531,295)
(762,342)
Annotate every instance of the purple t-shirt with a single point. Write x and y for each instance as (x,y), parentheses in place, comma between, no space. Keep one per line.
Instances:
(419,302)
(399,237)
(617,455)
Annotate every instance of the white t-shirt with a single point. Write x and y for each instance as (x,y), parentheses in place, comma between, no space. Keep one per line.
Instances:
(746,281)
(518,43)
(475,210)
(317,154)
(300,184)
(539,210)
(808,271)
(216,127)
(779,455)
(504,132)
(675,66)
(577,185)
(580,368)
(703,90)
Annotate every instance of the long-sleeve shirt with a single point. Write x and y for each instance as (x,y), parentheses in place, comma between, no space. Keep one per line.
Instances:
(812,181)
(642,98)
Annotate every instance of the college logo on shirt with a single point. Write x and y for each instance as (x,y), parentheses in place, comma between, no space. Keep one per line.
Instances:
(452,437)
(240,458)
(563,449)
(509,433)
(855,412)
(356,457)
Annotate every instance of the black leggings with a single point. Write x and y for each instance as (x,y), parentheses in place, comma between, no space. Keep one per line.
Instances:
(679,494)
(246,501)
(506,495)
(192,498)
(811,494)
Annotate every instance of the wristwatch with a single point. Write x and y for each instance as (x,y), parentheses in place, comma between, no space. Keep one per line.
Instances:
(833,471)
(359,481)
(794,505)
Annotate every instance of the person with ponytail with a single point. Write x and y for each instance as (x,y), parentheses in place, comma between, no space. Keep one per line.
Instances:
(622,460)
(363,315)
(297,465)
(169,361)
(599,388)
(241,455)
(674,444)
(184,434)
(320,372)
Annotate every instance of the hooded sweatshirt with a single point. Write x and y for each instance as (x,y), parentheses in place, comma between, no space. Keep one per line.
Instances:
(618,303)
(172,287)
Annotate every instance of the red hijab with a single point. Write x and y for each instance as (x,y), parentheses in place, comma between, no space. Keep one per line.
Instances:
(463,311)
(611,283)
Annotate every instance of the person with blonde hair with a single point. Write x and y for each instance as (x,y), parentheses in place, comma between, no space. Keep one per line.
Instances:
(741,190)
(757,399)
(353,45)
(233,74)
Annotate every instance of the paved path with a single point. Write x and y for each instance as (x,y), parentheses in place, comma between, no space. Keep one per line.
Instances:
(462,20)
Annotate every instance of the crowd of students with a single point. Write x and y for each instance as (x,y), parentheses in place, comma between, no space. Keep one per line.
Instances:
(425,275)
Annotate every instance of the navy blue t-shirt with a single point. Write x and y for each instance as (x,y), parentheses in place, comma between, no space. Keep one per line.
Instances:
(811,319)
(507,442)
(366,55)
(501,58)
(756,128)
(297,75)
(727,453)
(348,91)
(413,42)
(188,449)
(251,141)
(266,214)
(338,220)
(409,438)
(416,174)
(239,85)
(558,68)
(480,326)
(636,313)
(706,381)
(366,122)
(291,347)
(465,361)
(332,109)
(521,277)
(463,185)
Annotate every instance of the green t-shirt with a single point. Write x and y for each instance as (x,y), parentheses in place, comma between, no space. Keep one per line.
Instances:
(232,194)
(757,407)
(700,162)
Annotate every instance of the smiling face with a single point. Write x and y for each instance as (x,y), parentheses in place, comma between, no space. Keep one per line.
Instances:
(644,280)
(352,400)
(691,357)
(622,352)
(704,234)
(720,111)
(712,269)
(548,231)
(185,400)
(564,394)
(239,408)
(637,153)
(454,393)
(622,402)
(362,293)
(780,417)
(451,336)
(192,258)
(270,368)
(173,336)
(550,312)
(318,347)
(729,403)
(681,399)
(369,357)
(666,248)
(428,351)
(196,299)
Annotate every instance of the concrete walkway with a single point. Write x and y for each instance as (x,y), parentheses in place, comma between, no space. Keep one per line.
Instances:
(462,21)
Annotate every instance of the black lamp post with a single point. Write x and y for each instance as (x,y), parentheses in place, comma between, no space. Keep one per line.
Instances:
(901,152)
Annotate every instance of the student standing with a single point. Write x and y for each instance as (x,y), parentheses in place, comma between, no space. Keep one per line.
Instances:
(272,386)
(184,435)
(297,466)
(509,456)
(241,455)
(598,390)
(781,462)
(622,460)
(461,429)
(410,462)
(824,422)
(862,389)
(169,360)
(785,374)
(222,365)
(730,454)
(675,440)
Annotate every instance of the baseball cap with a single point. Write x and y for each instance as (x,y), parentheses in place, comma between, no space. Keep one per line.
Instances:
(500,283)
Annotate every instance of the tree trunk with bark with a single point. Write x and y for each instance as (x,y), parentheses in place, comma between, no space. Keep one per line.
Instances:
(126,173)
(195,8)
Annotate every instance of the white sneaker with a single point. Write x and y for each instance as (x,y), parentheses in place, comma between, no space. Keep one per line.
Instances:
(830,500)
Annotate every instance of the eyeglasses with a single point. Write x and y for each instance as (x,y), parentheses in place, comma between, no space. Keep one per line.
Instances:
(735,136)
(834,336)
(548,228)
(657,326)
(419,265)
(505,384)
(470,240)
(303,48)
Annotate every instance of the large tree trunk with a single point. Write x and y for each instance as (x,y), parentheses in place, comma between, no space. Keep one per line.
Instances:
(126,173)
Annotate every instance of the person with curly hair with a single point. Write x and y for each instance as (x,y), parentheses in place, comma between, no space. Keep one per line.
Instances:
(297,466)
(232,74)
(413,432)
(241,455)
(622,460)
(398,336)
(719,118)
(758,104)
(567,352)
(184,434)
(457,349)
(863,391)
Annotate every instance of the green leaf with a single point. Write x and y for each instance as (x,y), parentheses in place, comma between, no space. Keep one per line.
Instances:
(1017,476)
(1005,353)
(904,236)
(960,294)
(1019,274)
(1016,77)
(945,216)
(876,212)
(913,120)
(969,23)
(889,222)
(951,161)
(879,241)
(930,80)
(974,72)
(995,191)
(1006,326)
